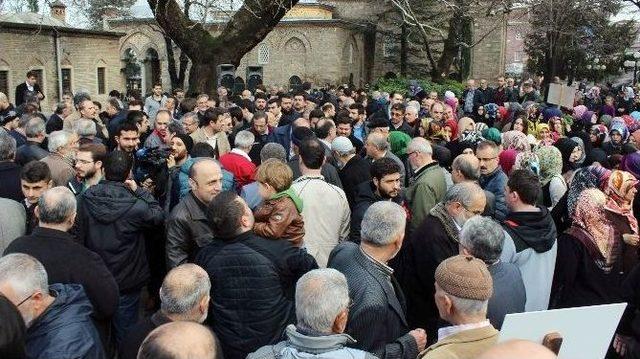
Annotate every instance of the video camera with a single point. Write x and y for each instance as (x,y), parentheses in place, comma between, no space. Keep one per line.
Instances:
(150,162)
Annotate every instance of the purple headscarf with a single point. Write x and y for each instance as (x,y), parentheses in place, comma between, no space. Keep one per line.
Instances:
(631,164)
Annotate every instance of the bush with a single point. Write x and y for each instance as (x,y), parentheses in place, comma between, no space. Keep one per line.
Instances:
(401,84)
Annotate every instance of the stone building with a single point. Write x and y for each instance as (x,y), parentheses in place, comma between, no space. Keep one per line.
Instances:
(66,58)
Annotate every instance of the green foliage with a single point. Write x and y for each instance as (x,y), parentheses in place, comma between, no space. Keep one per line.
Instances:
(401,85)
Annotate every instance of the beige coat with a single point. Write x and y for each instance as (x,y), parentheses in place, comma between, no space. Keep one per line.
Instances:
(467,344)
(222,145)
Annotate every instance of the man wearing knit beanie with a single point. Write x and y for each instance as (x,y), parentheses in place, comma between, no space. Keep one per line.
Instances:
(463,288)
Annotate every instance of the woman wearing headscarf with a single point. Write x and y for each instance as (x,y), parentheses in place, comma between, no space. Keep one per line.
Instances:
(587,270)
(621,190)
(466,124)
(581,160)
(450,130)
(571,154)
(618,136)
(557,128)
(515,140)
(480,114)
(528,161)
(593,100)
(492,114)
(492,134)
(506,160)
(518,123)
(598,135)
(553,184)
(543,135)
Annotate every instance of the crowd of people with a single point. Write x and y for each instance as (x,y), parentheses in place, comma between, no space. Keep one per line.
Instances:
(340,223)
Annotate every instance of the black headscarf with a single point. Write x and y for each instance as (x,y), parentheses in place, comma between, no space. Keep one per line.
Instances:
(566,147)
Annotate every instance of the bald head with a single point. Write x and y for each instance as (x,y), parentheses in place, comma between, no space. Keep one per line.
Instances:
(184,294)
(180,340)
(518,349)
(205,179)
(465,167)
(203,164)
(57,206)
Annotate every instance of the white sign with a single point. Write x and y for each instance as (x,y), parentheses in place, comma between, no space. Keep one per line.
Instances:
(586,331)
(562,95)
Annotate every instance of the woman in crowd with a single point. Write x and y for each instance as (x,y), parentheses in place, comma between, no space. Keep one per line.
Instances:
(571,154)
(618,136)
(553,184)
(621,191)
(543,135)
(516,140)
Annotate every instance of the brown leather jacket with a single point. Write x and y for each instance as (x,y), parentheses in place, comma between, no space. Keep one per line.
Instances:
(279,219)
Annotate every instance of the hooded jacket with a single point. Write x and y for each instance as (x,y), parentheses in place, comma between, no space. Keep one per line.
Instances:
(532,247)
(111,219)
(65,329)
(280,217)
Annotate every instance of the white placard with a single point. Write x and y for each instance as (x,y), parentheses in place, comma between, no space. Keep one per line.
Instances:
(586,331)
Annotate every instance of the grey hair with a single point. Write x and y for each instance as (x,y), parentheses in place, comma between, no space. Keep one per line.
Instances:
(468,170)
(382,223)
(244,139)
(321,295)
(58,139)
(24,273)
(183,288)
(420,145)
(414,105)
(85,128)
(483,237)
(34,127)
(24,119)
(273,150)
(189,115)
(468,306)
(464,193)
(378,141)
(175,127)
(7,147)
(56,205)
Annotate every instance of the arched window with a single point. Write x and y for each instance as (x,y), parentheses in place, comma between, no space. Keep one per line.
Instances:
(263,54)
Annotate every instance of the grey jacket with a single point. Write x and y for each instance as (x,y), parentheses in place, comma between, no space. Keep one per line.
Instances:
(300,346)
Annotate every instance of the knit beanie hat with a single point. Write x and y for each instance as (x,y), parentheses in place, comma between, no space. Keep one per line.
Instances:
(465,277)
(187,140)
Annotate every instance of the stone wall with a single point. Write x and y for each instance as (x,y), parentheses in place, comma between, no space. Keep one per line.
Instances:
(82,53)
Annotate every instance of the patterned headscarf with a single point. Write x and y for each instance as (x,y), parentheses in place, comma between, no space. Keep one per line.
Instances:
(580,143)
(550,163)
(595,230)
(578,111)
(620,183)
(481,126)
(515,140)
(606,120)
(541,127)
(594,176)
(586,118)
(600,131)
(492,111)
(527,161)
(631,163)
(464,122)
(619,125)
(551,112)
(635,115)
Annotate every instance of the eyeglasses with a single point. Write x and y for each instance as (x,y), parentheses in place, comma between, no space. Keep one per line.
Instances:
(85,162)
(411,153)
(24,300)
(486,159)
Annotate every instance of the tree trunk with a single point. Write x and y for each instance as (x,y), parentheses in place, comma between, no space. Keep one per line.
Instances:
(171,63)
(403,50)
(450,49)
(202,78)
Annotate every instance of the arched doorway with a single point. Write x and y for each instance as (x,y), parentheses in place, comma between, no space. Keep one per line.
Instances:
(295,83)
(238,85)
(151,69)
(132,71)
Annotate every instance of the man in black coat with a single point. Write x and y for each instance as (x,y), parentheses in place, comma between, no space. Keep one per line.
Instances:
(378,318)
(29,90)
(354,169)
(9,170)
(112,216)
(433,241)
(32,150)
(184,296)
(253,279)
(385,185)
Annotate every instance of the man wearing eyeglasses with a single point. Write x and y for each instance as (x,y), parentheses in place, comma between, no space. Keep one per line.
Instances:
(492,178)
(88,166)
(433,241)
(397,120)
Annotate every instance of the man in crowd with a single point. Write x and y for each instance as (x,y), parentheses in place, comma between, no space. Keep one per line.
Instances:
(56,120)
(260,102)
(434,240)
(501,94)
(486,92)
(322,308)
(284,134)
(5,105)
(533,235)
(411,116)
(357,114)
(35,178)
(10,121)
(155,101)
(184,296)
(428,186)
(466,168)
(180,340)
(326,208)
(262,270)
(187,226)
(62,147)
(57,316)
(483,238)
(463,304)
(288,114)
(211,131)
(190,122)
(111,218)
(89,167)
(354,169)
(385,185)
(116,114)
(160,137)
(326,132)
(397,120)
(377,147)
(378,317)
(492,178)
(344,128)
(9,170)
(29,90)
(52,246)
(238,161)
(471,98)
(273,106)
(127,137)
(263,134)
(35,132)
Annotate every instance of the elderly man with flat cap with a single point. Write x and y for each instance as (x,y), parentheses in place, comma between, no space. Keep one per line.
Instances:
(463,288)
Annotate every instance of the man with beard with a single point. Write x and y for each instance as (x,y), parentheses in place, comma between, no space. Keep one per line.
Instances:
(263,134)
(385,185)
(260,101)
(160,136)
(434,240)
(62,147)
(89,160)
(179,163)
(127,137)
(274,107)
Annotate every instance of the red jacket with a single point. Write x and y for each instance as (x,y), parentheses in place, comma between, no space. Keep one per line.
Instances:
(243,170)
